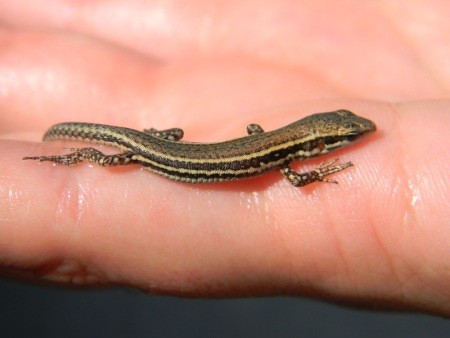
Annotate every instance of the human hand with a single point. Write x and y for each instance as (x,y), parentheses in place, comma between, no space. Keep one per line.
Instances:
(379,238)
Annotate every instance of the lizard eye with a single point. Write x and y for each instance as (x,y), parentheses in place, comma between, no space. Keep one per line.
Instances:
(351,137)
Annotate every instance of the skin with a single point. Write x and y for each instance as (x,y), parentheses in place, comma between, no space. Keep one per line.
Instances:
(378,239)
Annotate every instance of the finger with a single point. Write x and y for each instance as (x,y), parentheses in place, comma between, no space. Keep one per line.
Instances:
(289,33)
(376,231)
(47,79)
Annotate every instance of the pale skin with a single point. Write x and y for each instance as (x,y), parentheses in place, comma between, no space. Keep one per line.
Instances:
(378,238)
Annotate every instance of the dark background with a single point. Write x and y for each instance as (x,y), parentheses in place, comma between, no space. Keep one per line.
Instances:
(36,311)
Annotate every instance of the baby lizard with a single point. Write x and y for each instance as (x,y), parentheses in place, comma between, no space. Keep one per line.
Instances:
(162,152)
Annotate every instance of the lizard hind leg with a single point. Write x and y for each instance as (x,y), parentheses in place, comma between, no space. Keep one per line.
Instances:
(172,134)
(91,154)
(254,128)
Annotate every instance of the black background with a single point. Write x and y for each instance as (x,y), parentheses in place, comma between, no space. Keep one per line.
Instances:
(37,311)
